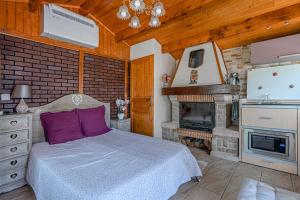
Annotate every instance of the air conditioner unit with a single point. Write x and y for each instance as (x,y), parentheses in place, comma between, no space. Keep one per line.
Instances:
(61,24)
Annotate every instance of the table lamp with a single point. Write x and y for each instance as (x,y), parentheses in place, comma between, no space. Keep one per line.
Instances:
(22,92)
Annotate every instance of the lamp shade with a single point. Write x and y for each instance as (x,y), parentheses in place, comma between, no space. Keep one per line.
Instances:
(22,91)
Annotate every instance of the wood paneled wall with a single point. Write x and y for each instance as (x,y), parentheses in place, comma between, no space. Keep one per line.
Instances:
(17,20)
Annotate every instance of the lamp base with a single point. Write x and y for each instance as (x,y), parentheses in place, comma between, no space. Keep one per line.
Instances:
(22,107)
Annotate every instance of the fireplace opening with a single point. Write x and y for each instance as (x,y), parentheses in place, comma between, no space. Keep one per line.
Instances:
(197,116)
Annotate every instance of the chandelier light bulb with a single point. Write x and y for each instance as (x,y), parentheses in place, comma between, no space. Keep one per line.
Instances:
(123,13)
(135,22)
(154,22)
(137,5)
(158,9)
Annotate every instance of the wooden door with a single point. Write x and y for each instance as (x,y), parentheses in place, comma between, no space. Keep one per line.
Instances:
(141,91)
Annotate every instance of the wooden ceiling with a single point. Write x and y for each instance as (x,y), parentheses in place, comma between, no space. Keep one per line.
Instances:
(230,23)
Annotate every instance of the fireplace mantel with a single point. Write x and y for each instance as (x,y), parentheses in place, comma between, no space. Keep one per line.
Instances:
(202,90)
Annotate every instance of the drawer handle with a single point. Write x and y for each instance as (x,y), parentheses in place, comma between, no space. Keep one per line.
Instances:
(13,123)
(267,118)
(13,176)
(14,149)
(13,163)
(13,136)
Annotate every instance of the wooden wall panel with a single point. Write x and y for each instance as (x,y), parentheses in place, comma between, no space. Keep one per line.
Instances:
(17,20)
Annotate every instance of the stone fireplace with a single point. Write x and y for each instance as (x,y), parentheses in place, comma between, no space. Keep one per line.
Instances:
(223,137)
(203,83)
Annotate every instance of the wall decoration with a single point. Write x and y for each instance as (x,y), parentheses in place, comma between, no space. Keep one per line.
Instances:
(194,77)
(196,58)
(77,99)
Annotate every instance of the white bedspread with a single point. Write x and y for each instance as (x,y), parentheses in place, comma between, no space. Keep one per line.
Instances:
(113,166)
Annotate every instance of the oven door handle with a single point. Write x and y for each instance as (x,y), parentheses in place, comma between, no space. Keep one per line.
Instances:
(266,118)
(266,161)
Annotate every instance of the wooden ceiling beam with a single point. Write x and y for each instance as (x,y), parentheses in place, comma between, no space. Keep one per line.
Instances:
(89,6)
(270,25)
(177,54)
(276,30)
(252,24)
(174,13)
(33,5)
(75,2)
(110,8)
(212,16)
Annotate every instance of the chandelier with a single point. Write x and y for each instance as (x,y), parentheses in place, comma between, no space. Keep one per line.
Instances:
(139,7)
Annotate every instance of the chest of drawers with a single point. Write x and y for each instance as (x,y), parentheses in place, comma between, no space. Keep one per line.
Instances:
(15,144)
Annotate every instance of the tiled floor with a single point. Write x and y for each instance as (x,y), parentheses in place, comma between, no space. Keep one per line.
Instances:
(221,181)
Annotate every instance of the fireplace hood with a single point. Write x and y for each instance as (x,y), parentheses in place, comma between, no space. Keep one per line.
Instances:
(200,65)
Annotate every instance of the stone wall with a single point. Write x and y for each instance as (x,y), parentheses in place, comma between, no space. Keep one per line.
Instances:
(227,145)
(238,60)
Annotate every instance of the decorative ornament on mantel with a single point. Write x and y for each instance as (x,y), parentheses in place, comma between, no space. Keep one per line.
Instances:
(139,7)
(165,79)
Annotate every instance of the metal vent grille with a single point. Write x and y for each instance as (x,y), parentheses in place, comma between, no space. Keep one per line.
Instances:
(57,12)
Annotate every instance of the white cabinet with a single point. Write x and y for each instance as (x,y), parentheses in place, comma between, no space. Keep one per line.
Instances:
(273,116)
(269,136)
(15,144)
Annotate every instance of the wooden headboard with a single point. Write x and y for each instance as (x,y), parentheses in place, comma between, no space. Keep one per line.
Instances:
(65,103)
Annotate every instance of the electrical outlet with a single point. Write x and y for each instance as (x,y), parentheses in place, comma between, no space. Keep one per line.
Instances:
(5,97)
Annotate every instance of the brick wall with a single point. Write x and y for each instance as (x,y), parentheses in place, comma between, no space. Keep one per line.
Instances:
(53,72)
(104,79)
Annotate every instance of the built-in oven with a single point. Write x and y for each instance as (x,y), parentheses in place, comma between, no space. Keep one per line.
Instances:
(272,143)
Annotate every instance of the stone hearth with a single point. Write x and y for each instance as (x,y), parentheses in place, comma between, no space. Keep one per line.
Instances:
(224,137)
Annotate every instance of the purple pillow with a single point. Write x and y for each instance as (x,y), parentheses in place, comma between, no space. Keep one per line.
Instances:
(61,127)
(92,121)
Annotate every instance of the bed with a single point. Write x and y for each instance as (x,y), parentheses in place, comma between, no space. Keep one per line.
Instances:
(113,166)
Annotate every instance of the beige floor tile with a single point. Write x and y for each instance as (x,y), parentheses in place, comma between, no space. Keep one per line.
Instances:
(243,171)
(231,192)
(183,190)
(277,178)
(226,165)
(215,180)
(238,180)
(198,193)
(248,170)
(201,154)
